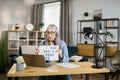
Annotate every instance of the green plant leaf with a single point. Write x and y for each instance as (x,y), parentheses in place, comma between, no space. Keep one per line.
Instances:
(109,34)
(41,24)
(3,53)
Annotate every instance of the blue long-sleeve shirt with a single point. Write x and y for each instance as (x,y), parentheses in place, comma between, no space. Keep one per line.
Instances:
(65,58)
(64,49)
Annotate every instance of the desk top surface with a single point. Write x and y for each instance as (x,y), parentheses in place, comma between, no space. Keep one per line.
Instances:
(84,68)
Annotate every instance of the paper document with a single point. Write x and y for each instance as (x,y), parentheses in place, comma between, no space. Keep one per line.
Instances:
(49,52)
(68,65)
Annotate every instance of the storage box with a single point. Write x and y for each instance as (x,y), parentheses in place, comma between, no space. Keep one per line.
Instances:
(86,50)
(111,50)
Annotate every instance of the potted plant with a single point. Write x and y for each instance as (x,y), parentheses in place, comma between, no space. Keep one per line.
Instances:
(109,34)
(3,51)
(20,65)
(41,25)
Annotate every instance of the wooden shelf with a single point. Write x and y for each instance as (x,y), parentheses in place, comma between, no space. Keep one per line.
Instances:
(92,20)
(108,25)
(18,38)
(112,27)
(112,42)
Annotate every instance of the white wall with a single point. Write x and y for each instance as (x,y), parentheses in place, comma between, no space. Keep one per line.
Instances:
(110,9)
(9,9)
(13,11)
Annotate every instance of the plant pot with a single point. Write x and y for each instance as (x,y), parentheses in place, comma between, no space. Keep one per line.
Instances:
(100,31)
(19,67)
(42,35)
(41,29)
(2,71)
(2,64)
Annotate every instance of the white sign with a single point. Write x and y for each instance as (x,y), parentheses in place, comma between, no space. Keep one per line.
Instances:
(49,52)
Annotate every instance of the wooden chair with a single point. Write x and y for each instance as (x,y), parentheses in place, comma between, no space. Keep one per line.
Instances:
(115,63)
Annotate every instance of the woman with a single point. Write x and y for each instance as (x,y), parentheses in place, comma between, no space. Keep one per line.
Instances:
(53,38)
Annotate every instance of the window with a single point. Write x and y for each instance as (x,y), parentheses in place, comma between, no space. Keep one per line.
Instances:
(51,14)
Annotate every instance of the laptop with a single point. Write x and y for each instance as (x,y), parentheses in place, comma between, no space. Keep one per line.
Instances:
(29,49)
(36,60)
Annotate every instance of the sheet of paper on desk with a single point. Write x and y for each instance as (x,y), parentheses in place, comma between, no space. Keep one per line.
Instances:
(49,52)
(68,65)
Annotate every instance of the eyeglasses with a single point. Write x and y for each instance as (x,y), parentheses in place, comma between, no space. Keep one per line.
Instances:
(47,33)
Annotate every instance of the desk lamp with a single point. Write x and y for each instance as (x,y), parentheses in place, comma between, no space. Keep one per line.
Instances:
(90,36)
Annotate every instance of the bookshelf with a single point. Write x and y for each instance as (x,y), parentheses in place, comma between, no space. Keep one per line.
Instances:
(17,38)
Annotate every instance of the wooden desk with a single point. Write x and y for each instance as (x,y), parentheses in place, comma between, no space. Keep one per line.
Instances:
(84,68)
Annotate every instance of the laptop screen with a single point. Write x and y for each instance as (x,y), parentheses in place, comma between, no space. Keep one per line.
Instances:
(34,60)
(29,49)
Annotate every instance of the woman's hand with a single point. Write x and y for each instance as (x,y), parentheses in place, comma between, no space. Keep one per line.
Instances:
(36,51)
(59,51)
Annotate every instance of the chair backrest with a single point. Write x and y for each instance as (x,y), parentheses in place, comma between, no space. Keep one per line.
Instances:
(116,58)
(72,50)
(86,50)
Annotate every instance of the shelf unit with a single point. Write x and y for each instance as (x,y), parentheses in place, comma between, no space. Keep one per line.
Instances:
(112,26)
(17,38)
(102,42)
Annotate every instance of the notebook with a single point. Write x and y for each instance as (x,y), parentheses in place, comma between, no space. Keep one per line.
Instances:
(36,60)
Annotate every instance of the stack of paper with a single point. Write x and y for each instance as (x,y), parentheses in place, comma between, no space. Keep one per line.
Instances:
(68,65)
